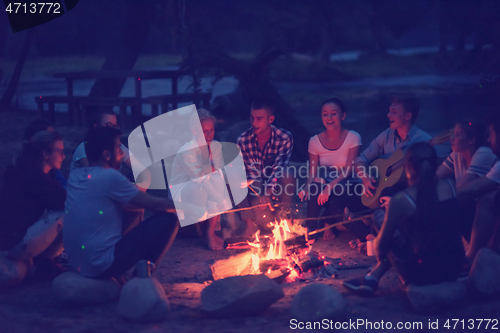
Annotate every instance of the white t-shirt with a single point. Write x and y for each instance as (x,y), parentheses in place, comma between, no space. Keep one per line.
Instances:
(494,173)
(480,164)
(93,217)
(337,157)
(80,153)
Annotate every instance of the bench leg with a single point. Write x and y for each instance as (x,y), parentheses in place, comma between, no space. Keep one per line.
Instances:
(136,115)
(123,116)
(84,116)
(154,110)
(52,113)
(72,114)
(40,109)
(164,107)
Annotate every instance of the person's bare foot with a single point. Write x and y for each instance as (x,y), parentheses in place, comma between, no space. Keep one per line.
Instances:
(215,243)
(354,244)
(362,248)
(329,234)
(347,214)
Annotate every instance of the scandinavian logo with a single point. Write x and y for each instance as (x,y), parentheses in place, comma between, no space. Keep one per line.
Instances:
(173,148)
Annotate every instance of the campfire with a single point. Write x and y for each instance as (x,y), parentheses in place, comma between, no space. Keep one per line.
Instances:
(282,254)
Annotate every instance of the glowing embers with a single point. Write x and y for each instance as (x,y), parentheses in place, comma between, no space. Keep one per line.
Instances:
(277,254)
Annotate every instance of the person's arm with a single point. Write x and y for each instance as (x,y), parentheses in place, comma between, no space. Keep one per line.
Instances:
(466,179)
(143,180)
(481,163)
(344,174)
(478,187)
(398,208)
(313,164)
(444,172)
(155,204)
(368,182)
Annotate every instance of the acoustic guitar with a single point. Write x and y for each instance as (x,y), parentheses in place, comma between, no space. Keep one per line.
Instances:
(390,170)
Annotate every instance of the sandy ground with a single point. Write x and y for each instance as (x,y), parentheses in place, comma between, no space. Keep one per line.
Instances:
(185,271)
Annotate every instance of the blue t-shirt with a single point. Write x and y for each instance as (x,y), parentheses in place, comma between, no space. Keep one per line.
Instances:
(93,217)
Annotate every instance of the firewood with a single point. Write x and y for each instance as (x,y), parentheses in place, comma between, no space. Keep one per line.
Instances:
(235,265)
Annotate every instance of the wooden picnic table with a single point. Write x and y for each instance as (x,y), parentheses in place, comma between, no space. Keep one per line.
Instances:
(77,105)
(138,76)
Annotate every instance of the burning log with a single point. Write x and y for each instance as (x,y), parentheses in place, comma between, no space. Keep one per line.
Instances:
(242,242)
(235,265)
(308,263)
(299,241)
(272,264)
(278,275)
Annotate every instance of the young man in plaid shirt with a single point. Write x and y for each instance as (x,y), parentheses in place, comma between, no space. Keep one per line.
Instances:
(266,152)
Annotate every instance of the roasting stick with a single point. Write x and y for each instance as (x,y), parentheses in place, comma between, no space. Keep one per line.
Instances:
(272,207)
(339,223)
(364,212)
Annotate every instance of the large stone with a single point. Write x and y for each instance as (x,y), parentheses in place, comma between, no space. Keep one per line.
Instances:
(318,301)
(240,295)
(435,298)
(144,300)
(12,272)
(73,289)
(484,273)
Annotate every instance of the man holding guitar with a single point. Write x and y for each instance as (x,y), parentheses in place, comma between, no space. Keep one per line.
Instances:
(402,132)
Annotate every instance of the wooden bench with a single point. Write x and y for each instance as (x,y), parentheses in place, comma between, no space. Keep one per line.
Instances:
(79,115)
(78,105)
(171,102)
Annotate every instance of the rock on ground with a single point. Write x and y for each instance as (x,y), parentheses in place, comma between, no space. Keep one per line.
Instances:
(435,298)
(143,300)
(484,273)
(70,288)
(317,301)
(240,295)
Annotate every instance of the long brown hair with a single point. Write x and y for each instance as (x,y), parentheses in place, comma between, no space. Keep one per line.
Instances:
(422,158)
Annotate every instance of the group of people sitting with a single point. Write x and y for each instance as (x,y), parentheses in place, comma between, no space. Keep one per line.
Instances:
(96,216)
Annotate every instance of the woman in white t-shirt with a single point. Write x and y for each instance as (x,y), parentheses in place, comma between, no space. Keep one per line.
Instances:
(331,156)
(470,159)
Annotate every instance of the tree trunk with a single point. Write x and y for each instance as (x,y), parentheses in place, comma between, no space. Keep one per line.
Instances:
(126,48)
(8,95)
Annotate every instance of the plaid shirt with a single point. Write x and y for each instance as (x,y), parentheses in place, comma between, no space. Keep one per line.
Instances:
(277,150)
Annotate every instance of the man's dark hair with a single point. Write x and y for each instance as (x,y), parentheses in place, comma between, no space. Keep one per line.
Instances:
(493,119)
(34,127)
(100,139)
(264,103)
(99,114)
(410,104)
